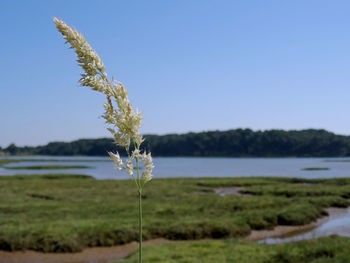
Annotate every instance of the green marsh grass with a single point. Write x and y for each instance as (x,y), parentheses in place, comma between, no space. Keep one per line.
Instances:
(322,250)
(7,161)
(47,167)
(315,169)
(66,213)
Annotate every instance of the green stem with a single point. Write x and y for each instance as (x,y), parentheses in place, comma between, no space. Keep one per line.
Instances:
(139,187)
(140,209)
(140,226)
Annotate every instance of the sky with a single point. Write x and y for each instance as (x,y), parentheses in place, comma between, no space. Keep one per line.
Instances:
(188,66)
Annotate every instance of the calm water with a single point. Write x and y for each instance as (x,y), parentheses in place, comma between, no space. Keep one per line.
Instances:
(197,167)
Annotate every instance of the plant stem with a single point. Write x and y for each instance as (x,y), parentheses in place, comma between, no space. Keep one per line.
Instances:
(140,225)
(140,209)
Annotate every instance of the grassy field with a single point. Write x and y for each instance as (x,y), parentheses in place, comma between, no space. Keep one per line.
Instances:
(7,161)
(64,213)
(315,168)
(322,250)
(47,167)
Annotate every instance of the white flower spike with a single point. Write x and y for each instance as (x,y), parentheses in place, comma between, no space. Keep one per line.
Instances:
(118,163)
(125,122)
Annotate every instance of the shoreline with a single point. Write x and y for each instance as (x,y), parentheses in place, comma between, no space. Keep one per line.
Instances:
(291,231)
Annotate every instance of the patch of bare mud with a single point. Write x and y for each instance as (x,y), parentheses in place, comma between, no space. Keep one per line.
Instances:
(89,255)
(222,191)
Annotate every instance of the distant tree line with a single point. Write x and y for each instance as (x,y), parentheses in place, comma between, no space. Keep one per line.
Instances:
(230,143)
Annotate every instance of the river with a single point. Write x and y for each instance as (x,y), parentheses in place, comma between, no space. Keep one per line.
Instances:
(169,167)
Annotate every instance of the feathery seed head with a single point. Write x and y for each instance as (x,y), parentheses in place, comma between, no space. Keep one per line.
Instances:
(125,122)
(129,166)
(147,174)
(118,163)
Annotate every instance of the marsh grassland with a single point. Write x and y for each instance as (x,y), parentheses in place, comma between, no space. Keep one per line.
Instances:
(322,250)
(315,169)
(47,167)
(19,160)
(67,213)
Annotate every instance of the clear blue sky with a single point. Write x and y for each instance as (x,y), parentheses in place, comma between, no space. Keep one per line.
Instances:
(188,66)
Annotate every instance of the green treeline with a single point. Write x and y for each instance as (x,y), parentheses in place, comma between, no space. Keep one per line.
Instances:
(230,143)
